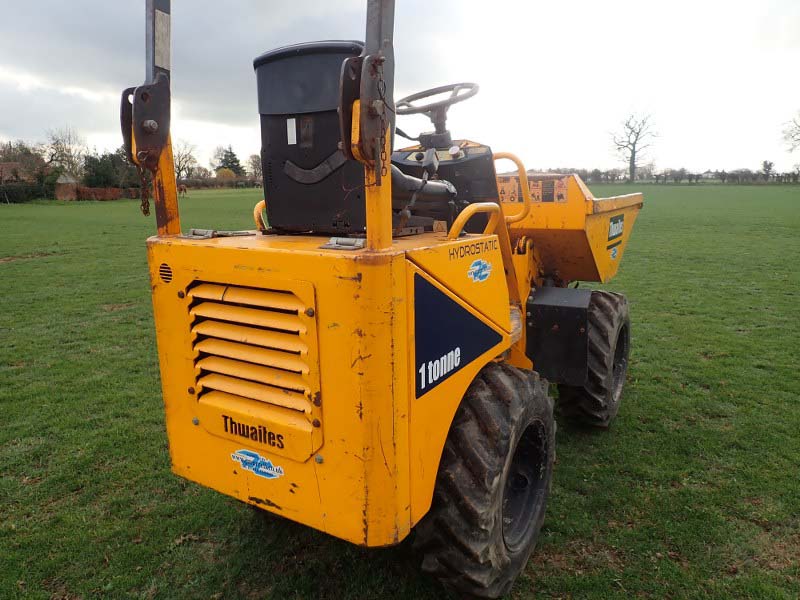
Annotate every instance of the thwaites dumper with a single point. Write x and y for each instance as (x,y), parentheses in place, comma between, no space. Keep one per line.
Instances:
(374,357)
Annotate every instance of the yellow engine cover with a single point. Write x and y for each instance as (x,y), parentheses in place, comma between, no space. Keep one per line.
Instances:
(319,384)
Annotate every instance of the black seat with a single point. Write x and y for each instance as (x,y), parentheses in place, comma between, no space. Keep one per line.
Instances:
(309,185)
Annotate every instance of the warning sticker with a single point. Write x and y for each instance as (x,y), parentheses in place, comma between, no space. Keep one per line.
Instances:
(546,190)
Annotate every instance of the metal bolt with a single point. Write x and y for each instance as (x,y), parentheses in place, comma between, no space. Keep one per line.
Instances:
(316,423)
(191,391)
(317,401)
(181,295)
(309,312)
(150,126)
(196,421)
(319,459)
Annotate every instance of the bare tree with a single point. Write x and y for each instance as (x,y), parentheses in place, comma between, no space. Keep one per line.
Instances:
(183,156)
(254,166)
(200,172)
(767,168)
(646,172)
(217,158)
(29,158)
(792,134)
(65,148)
(633,141)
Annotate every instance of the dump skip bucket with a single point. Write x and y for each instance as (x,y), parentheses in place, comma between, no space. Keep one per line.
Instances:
(578,237)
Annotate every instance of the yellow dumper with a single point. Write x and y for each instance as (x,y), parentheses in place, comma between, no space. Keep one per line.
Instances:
(375,356)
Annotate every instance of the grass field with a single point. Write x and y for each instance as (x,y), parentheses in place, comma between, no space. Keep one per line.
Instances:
(693,493)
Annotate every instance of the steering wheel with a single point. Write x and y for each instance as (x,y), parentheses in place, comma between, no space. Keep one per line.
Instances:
(406,106)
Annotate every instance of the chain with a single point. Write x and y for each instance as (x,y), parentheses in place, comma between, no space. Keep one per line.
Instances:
(384,169)
(384,121)
(145,205)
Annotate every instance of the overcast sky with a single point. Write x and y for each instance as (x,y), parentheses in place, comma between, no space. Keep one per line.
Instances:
(719,77)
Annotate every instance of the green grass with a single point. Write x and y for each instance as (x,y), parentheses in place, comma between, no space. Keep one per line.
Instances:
(693,493)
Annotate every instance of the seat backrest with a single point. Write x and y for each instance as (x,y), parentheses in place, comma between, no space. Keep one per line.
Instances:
(308,182)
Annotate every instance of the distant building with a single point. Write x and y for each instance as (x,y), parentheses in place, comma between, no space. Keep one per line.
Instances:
(66,187)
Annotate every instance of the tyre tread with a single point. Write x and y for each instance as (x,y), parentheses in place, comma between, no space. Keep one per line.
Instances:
(592,403)
(456,537)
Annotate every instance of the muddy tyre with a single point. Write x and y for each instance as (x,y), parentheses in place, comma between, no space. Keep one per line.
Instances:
(597,402)
(492,486)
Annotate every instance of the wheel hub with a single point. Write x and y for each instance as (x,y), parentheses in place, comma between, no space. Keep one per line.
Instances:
(620,364)
(526,485)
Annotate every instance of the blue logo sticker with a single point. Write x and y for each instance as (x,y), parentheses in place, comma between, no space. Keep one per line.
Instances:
(479,270)
(257,464)
(614,252)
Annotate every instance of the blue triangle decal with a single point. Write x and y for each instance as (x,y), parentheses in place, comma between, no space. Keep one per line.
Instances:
(447,336)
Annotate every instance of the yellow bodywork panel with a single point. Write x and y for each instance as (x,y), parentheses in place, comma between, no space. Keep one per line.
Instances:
(456,262)
(291,374)
(433,408)
(577,236)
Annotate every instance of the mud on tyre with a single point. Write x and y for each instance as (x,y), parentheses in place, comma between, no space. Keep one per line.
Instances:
(492,486)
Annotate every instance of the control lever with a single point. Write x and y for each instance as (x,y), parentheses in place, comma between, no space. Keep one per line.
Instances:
(406,187)
(430,162)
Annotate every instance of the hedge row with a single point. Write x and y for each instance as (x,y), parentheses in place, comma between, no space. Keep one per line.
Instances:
(214,183)
(87,193)
(17,193)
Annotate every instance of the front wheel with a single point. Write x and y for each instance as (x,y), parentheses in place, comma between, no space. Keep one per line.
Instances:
(493,483)
(597,402)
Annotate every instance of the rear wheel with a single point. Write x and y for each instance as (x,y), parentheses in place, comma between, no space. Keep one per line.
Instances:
(492,486)
(597,402)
